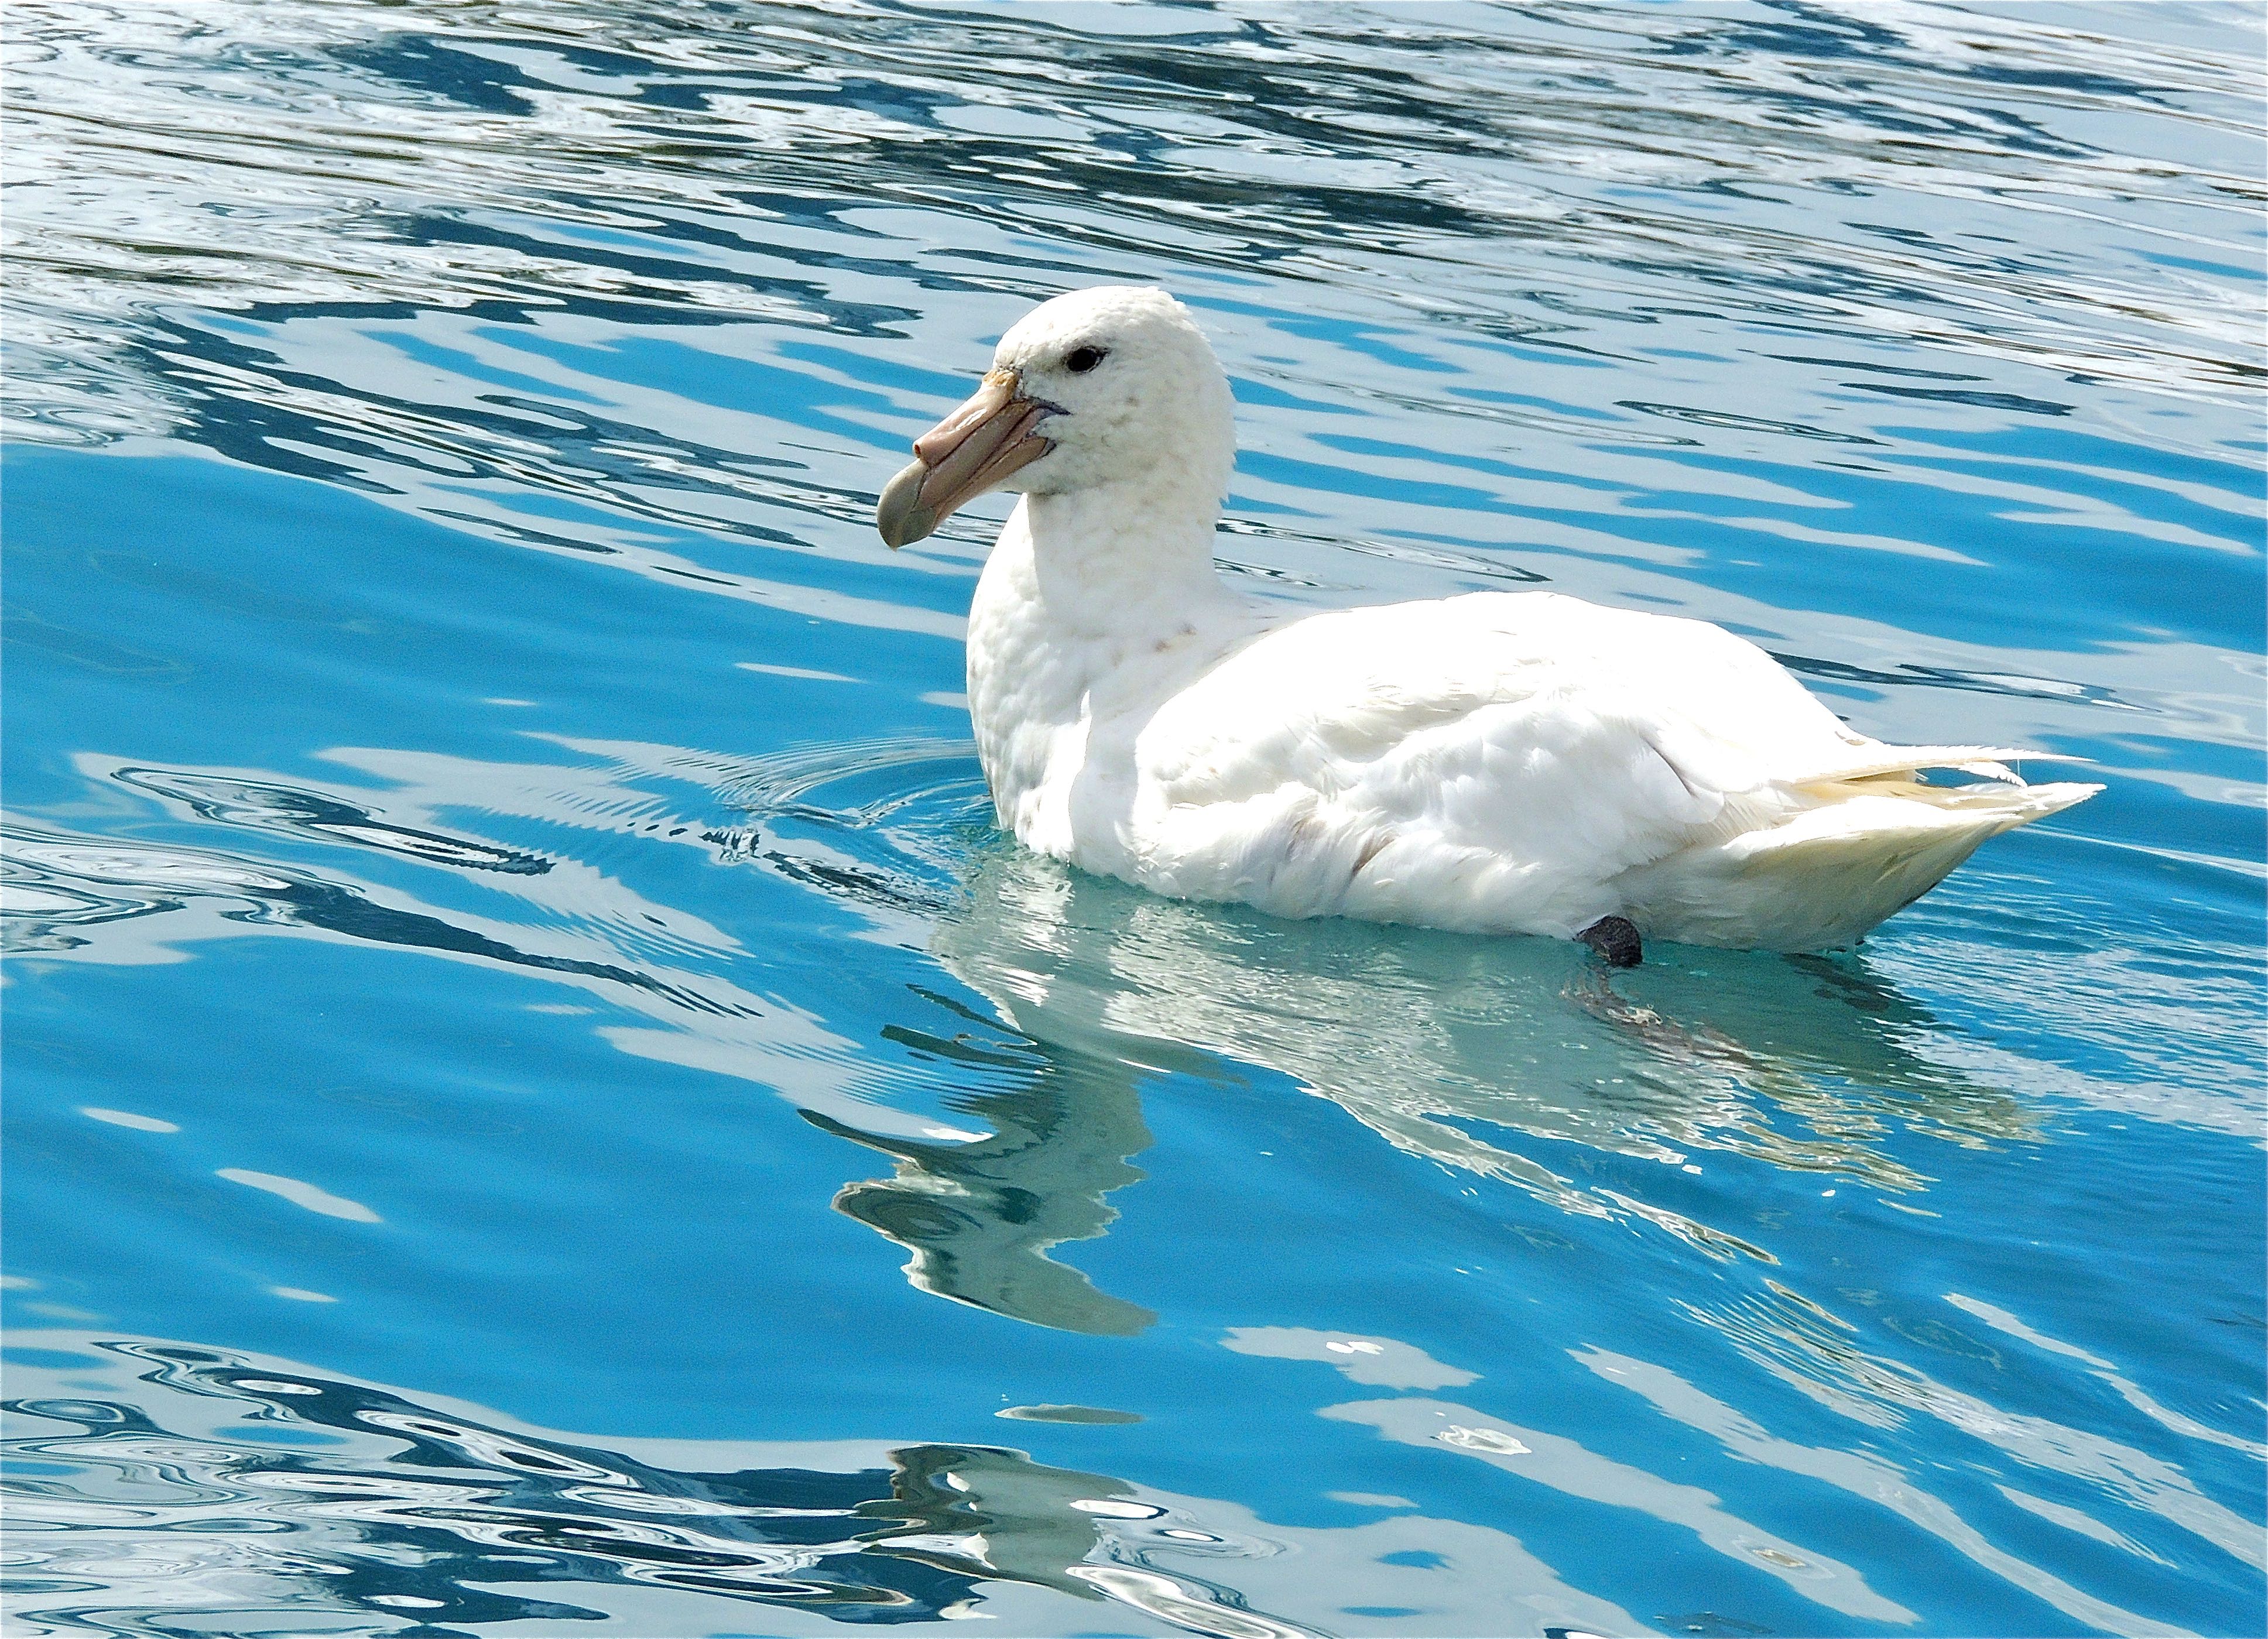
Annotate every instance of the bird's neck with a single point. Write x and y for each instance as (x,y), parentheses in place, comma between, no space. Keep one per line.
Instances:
(1121,562)
(1090,603)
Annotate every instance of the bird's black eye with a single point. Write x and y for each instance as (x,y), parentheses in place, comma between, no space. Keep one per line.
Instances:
(1079,360)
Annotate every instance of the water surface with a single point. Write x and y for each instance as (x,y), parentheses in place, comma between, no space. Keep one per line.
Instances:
(537,1103)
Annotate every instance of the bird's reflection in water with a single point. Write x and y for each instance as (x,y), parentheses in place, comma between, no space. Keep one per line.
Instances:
(980,1216)
(1450,1048)
(1507,1058)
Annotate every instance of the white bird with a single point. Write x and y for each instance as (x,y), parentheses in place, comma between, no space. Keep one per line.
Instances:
(1499,762)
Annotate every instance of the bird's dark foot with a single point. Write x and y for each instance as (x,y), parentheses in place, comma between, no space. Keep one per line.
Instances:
(1615,939)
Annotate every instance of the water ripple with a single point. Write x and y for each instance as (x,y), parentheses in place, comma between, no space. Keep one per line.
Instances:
(690,168)
(184,1485)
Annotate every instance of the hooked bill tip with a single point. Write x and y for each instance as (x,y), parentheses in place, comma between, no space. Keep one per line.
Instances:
(899,516)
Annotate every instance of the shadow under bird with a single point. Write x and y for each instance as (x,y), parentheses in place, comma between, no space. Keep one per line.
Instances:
(1499,762)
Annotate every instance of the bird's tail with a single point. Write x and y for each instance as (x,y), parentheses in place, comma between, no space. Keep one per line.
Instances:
(1870,842)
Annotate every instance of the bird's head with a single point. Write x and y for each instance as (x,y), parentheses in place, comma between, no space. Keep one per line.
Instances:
(1112,385)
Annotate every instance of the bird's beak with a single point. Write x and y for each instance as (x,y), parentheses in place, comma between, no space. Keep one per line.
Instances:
(971,451)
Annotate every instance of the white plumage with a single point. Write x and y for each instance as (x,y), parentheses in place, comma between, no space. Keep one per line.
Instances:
(1497,763)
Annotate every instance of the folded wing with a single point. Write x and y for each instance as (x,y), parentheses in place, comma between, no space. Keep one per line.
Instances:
(1538,761)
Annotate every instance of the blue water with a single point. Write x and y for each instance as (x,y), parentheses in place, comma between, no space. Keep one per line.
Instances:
(537,1103)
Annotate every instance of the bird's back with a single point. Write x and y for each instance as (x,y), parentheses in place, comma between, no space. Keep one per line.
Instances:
(1526,763)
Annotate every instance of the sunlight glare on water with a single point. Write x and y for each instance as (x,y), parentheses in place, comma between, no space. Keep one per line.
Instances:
(538,1101)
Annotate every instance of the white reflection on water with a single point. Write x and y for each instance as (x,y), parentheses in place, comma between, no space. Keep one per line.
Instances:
(1555,1461)
(1883,1485)
(2131,1392)
(1431,1040)
(1788,1339)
